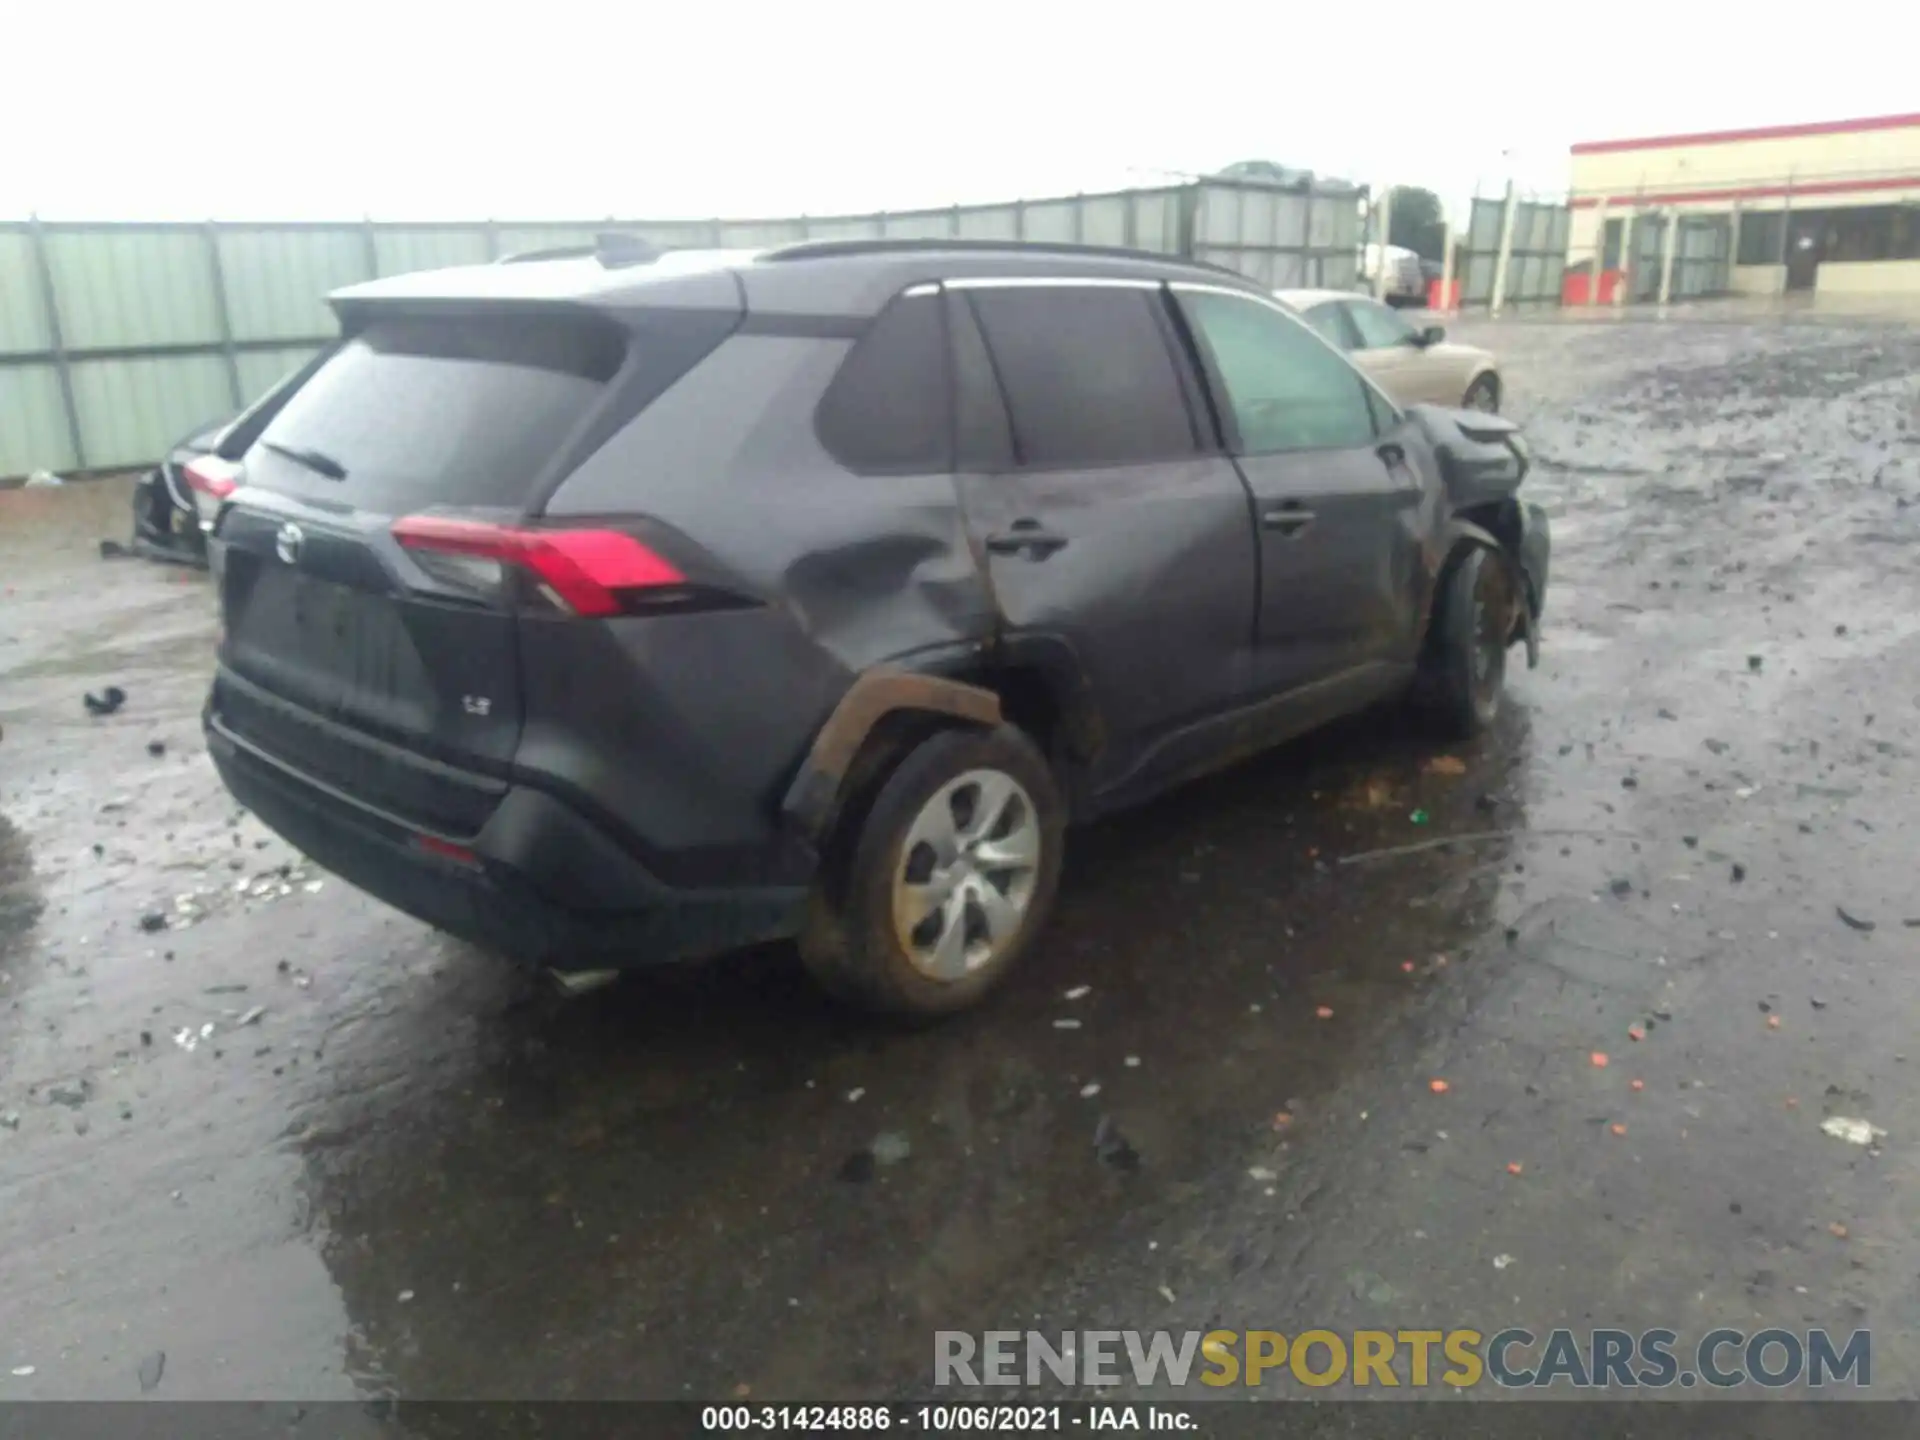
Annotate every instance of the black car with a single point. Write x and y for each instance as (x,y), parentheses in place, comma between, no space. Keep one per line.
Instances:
(615,610)
(175,502)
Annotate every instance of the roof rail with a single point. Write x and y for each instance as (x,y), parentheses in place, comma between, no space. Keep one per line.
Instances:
(554,252)
(837,249)
(611,247)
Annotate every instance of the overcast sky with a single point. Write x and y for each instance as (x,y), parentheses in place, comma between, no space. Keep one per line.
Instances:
(189,109)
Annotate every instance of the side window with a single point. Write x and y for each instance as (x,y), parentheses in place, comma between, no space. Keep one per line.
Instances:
(887,410)
(1379,327)
(982,436)
(1287,390)
(1088,373)
(1330,321)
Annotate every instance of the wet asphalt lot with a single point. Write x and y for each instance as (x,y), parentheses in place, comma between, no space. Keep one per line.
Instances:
(305,1147)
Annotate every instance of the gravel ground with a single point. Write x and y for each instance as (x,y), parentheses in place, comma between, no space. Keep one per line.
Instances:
(303,1146)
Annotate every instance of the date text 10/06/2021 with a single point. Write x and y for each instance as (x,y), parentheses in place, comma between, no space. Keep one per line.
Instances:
(944,1419)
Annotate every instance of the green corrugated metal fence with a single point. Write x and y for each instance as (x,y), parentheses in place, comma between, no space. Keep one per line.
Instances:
(116,339)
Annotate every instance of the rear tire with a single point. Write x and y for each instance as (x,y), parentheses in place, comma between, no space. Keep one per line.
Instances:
(935,890)
(1467,651)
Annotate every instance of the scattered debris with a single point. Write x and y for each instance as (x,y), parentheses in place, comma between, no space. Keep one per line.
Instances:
(152,1368)
(1133,1062)
(43,479)
(1501,1262)
(1407,966)
(1617,1128)
(1419,817)
(1629,782)
(1476,837)
(153,921)
(890,1147)
(1754,662)
(252,1017)
(1854,922)
(1167,1294)
(1090,1089)
(1621,886)
(1666,714)
(1066,1024)
(156,748)
(1439,1087)
(1079,992)
(11,1119)
(106,702)
(1854,1132)
(1445,765)
(1837,1230)
(1324,1012)
(1739,872)
(1112,1148)
(71,1094)
(405,1296)
(1773,1022)
(21,1372)
(1513,1167)
(1636,1085)
(1599,1059)
(853,1095)
(1262,1174)
(1634,1032)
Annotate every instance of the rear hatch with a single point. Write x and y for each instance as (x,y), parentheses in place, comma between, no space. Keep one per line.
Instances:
(363,646)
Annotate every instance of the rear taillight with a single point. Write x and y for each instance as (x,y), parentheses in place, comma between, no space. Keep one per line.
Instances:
(589,572)
(211,480)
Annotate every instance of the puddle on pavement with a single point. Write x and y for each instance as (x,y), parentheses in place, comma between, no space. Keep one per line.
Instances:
(558,1190)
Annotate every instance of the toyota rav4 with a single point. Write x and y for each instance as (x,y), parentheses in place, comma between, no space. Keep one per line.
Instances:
(624,607)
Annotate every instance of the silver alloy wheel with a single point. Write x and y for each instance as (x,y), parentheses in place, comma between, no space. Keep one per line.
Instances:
(966,874)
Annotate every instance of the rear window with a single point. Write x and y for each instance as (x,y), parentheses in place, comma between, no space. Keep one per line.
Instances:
(1088,374)
(438,411)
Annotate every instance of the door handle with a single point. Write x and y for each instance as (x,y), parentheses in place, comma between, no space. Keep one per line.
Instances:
(1289,518)
(1026,537)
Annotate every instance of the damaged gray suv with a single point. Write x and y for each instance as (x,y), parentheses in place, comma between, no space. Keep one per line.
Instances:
(619,608)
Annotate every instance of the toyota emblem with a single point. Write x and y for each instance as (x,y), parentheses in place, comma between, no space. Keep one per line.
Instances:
(288,542)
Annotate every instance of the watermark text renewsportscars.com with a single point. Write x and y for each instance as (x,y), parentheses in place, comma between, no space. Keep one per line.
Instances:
(1513,1358)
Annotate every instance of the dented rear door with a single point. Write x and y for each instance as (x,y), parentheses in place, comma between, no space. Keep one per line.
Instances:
(1106,525)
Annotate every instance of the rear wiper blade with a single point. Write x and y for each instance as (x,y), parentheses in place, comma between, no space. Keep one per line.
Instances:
(317,461)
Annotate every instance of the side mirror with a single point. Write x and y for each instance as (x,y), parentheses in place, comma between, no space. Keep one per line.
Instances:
(1432,335)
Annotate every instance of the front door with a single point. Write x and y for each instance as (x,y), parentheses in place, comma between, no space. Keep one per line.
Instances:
(1806,243)
(1334,497)
(1110,526)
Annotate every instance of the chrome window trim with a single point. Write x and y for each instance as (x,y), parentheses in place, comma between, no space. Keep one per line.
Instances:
(1059,282)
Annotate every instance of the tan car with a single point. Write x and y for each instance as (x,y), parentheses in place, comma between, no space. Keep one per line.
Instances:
(1414,366)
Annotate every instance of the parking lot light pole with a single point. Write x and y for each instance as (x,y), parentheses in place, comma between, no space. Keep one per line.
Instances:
(1385,211)
(1598,278)
(1668,244)
(1506,250)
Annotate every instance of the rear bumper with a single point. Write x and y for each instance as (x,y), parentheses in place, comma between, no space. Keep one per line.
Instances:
(545,886)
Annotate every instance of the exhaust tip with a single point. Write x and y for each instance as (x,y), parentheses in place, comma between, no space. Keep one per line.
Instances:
(578,982)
